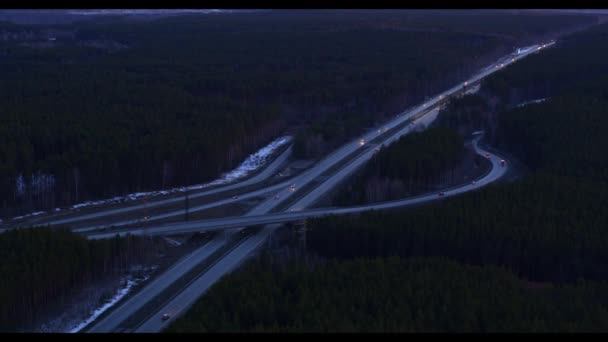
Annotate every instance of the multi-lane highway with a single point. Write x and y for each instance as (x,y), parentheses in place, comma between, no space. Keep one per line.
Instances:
(156,286)
(180,303)
(282,192)
(334,168)
(74,218)
(294,214)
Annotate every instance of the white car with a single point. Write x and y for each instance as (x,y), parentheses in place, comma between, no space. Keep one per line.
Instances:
(165,317)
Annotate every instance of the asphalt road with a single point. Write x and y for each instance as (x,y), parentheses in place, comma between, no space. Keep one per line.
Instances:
(186,298)
(156,286)
(295,214)
(225,265)
(266,173)
(189,295)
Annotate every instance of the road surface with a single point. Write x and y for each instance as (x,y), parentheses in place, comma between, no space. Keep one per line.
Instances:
(156,286)
(191,293)
(296,214)
(268,171)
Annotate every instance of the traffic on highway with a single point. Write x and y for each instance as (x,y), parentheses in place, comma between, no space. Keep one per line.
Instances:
(297,193)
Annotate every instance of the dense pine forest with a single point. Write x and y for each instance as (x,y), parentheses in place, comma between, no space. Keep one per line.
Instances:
(42,268)
(411,165)
(111,106)
(393,295)
(548,226)
(527,256)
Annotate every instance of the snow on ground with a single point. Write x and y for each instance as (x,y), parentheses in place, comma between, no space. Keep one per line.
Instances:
(530,102)
(28,215)
(252,163)
(119,295)
(144,11)
(472,90)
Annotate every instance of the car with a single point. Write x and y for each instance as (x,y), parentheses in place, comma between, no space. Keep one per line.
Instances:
(474,182)
(502,163)
(277,196)
(441,194)
(488,155)
(235,196)
(165,317)
(376,150)
(292,187)
(362,142)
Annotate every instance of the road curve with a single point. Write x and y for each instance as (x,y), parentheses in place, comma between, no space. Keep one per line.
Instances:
(268,171)
(235,257)
(495,173)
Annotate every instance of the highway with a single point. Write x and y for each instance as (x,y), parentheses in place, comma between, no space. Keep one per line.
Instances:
(266,173)
(282,189)
(423,114)
(151,290)
(295,214)
(186,298)
(179,304)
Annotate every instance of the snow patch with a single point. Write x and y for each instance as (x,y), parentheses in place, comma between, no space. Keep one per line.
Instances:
(472,90)
(119,295)
(252,163)
(28,215)
(144,11)
(531,102)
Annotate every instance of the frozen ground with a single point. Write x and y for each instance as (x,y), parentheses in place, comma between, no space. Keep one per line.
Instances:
(472,90)
(147,11)
(117,297)
(252,163)
(85,305)
(530,102)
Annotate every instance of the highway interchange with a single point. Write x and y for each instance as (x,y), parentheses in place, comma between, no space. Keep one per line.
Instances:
(324,176)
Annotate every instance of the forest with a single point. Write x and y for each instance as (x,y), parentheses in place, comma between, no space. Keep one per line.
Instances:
(547,226)
(114,106)
(411,165)
(392,295)
(527,255)
(43,267)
